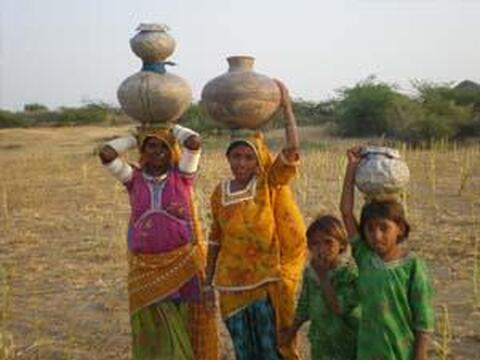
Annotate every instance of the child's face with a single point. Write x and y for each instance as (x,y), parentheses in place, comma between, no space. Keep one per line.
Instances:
(156,153)
(324,248)
(382,235)
(243,162)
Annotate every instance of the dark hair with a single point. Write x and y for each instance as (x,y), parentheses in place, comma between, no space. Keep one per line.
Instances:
(390,210)
(329,225)
(237,143)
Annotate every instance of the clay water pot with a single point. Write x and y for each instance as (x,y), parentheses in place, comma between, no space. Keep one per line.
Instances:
(152,43)
(241,98)
(154,96)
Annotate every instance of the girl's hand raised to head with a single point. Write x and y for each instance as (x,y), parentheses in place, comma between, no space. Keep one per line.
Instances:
(354,155)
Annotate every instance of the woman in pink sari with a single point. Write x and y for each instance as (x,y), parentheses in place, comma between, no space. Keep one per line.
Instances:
(168,315)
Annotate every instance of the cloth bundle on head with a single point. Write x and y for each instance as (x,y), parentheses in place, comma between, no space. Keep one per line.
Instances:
(164,134)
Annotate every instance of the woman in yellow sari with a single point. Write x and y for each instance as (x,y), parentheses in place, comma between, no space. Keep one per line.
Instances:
(166,257)
(257,244)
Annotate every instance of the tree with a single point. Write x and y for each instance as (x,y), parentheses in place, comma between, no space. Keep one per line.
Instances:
(443,115)
(370,108)
(34,107)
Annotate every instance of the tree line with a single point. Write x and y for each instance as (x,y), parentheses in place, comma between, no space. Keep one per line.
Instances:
(369,108)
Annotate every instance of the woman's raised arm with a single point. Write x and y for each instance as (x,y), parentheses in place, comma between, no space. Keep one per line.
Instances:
(109,155)
(292,140)
(191,142)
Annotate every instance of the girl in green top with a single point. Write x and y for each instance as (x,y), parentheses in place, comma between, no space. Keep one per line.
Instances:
(329,294)
(395,293)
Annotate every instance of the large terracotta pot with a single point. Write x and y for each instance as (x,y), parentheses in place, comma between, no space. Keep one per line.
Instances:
(381,172)
(241,98)
(152,95)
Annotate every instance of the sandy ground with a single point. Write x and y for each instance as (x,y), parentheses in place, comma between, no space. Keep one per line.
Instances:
(63,223)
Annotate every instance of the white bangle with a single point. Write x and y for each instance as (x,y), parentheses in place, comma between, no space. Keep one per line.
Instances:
(182,133)
(120,170)
(120,145)
(189,161)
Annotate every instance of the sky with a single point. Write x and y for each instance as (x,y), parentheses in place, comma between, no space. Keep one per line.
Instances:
(71,52)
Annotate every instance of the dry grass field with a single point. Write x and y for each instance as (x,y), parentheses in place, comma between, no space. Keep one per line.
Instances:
(63,223)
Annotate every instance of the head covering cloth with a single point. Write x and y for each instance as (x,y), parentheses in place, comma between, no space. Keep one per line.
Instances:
(163,134)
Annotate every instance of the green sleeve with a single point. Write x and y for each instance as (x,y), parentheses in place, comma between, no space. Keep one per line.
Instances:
(420,298)
(346,288)
(303,301)
(359,247)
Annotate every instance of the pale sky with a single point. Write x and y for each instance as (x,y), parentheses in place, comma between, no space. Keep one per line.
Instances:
(63,52)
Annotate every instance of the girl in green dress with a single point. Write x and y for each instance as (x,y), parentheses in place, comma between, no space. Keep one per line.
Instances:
(329,293)
(395,293)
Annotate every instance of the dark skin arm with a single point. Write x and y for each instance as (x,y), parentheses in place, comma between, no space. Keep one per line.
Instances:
(288,334)
(213,251)
(421,345)
(193,143)
(209,292)
(292,145)
(212,255)
(347,198)
(107,154)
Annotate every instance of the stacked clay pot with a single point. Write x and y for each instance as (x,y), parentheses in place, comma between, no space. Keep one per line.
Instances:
(381,173)
(154,96)
(241,98)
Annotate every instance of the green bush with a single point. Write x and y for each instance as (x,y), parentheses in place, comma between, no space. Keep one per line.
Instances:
(34,107)
(442,116)
(10,119)
(197,118)
(368,109)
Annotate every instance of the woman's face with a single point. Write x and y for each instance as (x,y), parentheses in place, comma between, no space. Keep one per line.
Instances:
(243,162)
(156,153)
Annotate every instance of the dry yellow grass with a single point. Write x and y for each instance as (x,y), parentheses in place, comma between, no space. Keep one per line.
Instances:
(63,223)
